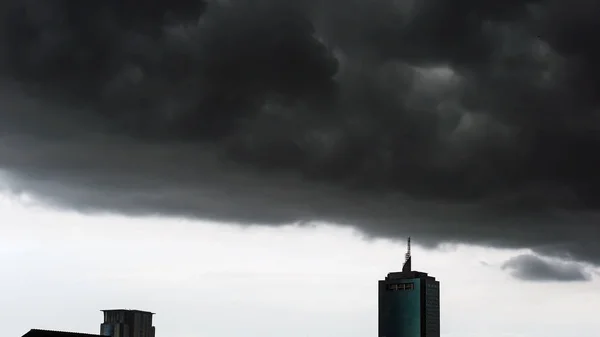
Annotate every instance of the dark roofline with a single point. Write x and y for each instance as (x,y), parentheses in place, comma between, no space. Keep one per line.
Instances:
(62,332)
(129,310)
(409,274)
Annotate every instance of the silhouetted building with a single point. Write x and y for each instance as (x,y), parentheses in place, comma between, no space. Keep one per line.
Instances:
(127,323)
(409,303)
(48,333)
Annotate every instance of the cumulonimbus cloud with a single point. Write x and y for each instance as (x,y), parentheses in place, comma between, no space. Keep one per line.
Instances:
(462,121)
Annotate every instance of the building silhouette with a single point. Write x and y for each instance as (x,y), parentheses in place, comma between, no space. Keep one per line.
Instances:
(117,323)
(409,303)
(127,323)
(49,333)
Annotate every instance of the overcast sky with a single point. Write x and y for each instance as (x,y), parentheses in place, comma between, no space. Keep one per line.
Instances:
(463,122)
(208,279)
(475,122)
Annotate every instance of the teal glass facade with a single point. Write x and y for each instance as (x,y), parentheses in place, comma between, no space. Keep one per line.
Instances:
(409,305)
(432,308)
(401,307)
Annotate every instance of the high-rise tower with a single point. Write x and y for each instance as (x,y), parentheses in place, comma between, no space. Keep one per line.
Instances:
(409,303)
(127,323)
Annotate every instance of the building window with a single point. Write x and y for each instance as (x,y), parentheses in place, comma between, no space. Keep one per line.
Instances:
(400,286)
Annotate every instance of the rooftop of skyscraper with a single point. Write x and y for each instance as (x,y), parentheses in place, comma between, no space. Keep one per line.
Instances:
(52,333)
(129,310)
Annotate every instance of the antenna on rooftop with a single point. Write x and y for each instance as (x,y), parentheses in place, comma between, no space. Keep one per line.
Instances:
(407,260)
(407,256)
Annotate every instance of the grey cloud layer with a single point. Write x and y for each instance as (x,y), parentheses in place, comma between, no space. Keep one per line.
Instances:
(534,268)
(454,120)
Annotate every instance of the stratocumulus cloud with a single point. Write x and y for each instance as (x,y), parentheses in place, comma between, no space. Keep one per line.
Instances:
(530,267)
(455,121)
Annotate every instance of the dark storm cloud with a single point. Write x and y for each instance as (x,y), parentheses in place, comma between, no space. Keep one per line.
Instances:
(534,268)
(454,121)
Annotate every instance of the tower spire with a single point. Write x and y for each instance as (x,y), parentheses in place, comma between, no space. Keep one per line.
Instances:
(407,259)
(408,250)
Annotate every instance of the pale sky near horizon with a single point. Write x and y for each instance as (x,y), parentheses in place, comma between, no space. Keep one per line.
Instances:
(205,279)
